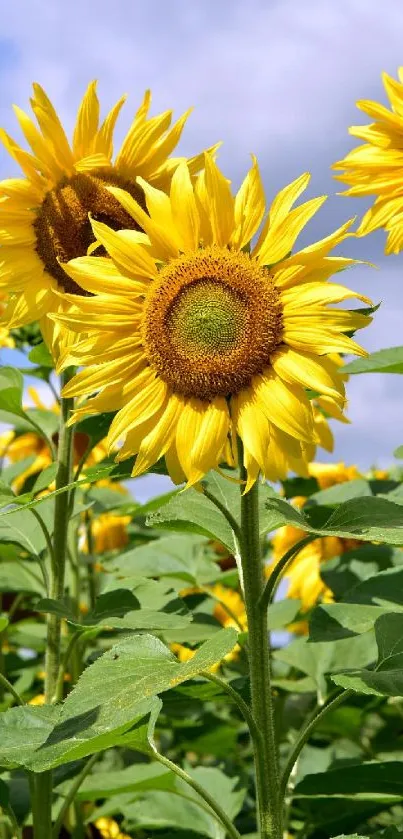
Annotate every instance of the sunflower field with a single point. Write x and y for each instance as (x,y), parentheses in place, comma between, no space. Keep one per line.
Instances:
(224,660)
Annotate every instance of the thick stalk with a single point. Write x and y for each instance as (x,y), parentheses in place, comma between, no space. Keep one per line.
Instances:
(43,786)
(61,521)
(267,780)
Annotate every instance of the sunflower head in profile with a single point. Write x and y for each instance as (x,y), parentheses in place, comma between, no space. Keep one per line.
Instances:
(194,337)
(375,167)
(44,216)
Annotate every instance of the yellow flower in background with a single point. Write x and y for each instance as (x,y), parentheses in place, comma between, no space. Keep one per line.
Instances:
(109,829)
(329,474)
(193,339)
(109,532)
(37,700)
(229,610)
(375,168)
(44,215)
(303,573)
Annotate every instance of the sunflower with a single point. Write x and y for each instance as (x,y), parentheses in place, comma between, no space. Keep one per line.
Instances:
(109,532)
(376,167)
(303,573)
(109,829)
(44,215)
(194,337)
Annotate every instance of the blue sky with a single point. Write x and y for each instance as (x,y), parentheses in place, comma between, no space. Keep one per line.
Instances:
(274,77)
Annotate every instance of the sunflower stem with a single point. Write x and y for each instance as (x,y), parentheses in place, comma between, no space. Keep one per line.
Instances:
(43,785)
(267,776)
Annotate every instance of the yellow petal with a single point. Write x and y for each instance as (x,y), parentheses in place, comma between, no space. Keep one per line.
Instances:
(159,439)
(249,207)
(86,127)
(100,275)
(51,126)
(189,425)
(104,140)
(162,241)
(210,439)
(252,426)
(281,237)
(141,407)
(220,201)
(184,210)
(284,405)
(123,248)
(303,368)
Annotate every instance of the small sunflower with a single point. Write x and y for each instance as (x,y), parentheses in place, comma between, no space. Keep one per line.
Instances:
(376,167)
(303,573)
(109,532)
(44,215)
(193,337)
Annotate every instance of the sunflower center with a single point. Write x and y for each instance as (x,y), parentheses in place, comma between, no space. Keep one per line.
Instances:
(62,226)
(212,320)
(206,317)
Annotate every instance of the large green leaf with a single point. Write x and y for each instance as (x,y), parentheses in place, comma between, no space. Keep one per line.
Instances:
(22,731)
(140,776)
(113,697)
(355,781)
(387,678)
(368,519)
(333,621)
(122,608)
(20,576)
(188,812)
(322,658)
(193,512)
(339,493)
(177,556)
(383,361)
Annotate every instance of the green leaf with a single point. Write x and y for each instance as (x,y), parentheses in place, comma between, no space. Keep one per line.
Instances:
(188,811)
(355,781)
(113,697)
(41,355)
(121,609)
(387,678)
(333,621)
(398,452)
(341,492)
(20,576)
(282,612)
(3,622)
(317,660)
(192,512)
(22,528)
(369,519)
(178,556)
(22,731)
(383,361)
(45,478)
(132,778)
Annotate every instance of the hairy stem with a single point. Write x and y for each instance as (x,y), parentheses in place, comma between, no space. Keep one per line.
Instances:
(267,782)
